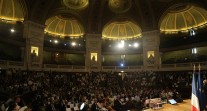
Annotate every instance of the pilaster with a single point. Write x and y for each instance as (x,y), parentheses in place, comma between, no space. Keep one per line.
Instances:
(151,55)
(93,59)
(34,35)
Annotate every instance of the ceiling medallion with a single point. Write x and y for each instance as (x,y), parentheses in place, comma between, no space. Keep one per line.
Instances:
(119,6)
(75,4)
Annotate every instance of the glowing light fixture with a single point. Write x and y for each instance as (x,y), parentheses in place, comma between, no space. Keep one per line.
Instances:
(192,32)
(136,45)
(194,51)
(55,41)
(73,44)
(121,44)
(122,64)
(12,30)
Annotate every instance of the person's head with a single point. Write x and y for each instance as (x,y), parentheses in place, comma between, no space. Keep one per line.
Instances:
(17,99)
(13,107)
(205,82)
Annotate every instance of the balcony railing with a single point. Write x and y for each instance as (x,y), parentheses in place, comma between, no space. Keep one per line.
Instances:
(74,68)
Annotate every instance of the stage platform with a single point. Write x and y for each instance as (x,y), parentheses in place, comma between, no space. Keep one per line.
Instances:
(184,106)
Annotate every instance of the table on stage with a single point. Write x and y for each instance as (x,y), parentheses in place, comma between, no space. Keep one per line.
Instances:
(184,106)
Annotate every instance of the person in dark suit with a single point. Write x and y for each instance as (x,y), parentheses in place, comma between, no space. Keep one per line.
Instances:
(205,91)
(117,105)
(51,106)
(205,86)
(94,106)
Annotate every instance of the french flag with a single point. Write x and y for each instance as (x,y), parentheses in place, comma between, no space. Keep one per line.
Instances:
(194,96)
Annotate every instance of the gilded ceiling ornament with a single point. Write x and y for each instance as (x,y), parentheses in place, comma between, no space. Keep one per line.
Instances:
(76,4)
(119,6)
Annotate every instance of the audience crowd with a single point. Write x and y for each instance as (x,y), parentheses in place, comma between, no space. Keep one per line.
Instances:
(88,91)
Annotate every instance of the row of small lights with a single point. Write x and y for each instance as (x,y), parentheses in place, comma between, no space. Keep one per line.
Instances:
(121,44)
(192,33)
(65,44)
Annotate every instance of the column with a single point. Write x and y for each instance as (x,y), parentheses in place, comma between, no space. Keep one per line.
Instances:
(93,59)
(34,36)
(151,55)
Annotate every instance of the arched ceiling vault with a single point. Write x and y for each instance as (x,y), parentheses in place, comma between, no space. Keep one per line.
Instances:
(97,13)
(121,30)
(182,18)
(165,8)
(63,26)
(12,10)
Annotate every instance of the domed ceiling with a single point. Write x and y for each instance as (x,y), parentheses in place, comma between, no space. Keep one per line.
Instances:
(121,30)
(76,4)
(62,27)
(11,10)
(183,18)
(119,6)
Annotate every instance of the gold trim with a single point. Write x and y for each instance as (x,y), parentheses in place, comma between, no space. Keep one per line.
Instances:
(118,30)
(125,30)
(64,26)
(193,19)
(131,29)
(204,19)
(50,23)
(13,8)
(79,27)
(71,24)
(1,7)
(184,19)
(57,25)
(112,29)
(175,22)
(167,22)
